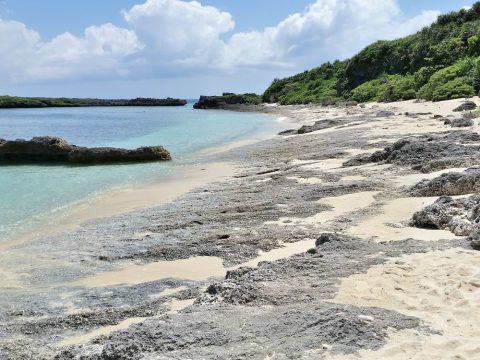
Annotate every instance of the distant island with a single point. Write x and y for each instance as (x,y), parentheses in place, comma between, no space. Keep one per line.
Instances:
(12,102)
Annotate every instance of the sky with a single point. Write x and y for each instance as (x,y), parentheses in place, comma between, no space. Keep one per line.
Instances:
(177,48)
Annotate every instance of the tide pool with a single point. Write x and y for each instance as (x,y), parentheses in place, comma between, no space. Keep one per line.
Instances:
(31,195)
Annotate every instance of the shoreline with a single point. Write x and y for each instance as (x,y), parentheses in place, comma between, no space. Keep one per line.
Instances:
(126,198)
(261,226)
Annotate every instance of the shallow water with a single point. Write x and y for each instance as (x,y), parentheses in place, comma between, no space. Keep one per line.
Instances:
(32,194)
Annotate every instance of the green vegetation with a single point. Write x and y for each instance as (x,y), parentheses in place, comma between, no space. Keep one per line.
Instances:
(437,63)
(249,99)
(24,102)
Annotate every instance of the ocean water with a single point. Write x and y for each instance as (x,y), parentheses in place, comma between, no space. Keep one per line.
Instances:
(31,195)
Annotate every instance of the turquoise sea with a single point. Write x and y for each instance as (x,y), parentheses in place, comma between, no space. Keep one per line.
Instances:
(31,195)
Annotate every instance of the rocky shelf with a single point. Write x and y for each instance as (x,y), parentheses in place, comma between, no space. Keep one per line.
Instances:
(56,150)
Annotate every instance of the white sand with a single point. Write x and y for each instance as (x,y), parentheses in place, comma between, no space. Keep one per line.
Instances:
(391,223)
(441,288)
(340,205)
(195,268)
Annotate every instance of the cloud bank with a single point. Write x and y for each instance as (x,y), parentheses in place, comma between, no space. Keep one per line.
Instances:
(166,37)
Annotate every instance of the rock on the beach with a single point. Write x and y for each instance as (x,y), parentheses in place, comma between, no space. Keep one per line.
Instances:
(466,106)
(385,113)
(318,125)
(460,216)
(56,150)
(427,153)
(451,184)
(462,122)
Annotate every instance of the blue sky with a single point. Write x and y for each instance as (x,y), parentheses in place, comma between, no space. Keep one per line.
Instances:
(177,48)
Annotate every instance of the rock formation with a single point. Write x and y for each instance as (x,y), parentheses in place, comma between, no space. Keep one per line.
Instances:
(56,150)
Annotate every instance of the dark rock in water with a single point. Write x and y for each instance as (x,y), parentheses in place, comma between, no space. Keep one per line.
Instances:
(462,122)
(428,153)
(466,106)
(460,216)
(56,150)
(447,121)
(385,113)
(451,184)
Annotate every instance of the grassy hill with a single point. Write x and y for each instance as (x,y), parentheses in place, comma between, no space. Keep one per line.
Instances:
(439,62)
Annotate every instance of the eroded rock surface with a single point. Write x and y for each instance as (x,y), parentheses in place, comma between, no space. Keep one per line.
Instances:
(451,184)
(50,149)
(428,153)
(460,216)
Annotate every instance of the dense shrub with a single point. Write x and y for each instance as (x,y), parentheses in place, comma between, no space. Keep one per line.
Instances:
(429,64)
(452,82)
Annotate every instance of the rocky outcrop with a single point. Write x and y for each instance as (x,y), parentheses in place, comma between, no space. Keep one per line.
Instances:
(56,150)
(460,216)
(428,153)
(226,101)
(451,184)
(318,125)
(462,122)
(466,106)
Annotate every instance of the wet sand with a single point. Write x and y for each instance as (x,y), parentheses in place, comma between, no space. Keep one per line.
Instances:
(127,199)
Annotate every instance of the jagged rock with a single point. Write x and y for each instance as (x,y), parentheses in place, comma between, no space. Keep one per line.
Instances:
(466,106)
(327,237)
(451,184)
(56,150)
(462,122)
(460,216)
(475,238)
(427,153)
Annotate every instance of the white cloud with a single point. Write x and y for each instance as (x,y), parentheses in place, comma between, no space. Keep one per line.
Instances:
(178,31)
(26,58)
(327,29)
(164,37)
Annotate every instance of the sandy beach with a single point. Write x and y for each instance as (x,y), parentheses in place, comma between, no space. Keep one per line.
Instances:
(300,246)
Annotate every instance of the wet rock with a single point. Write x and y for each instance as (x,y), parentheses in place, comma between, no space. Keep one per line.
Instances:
(56,150)
(451,184)
(466,106)
(462,122)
